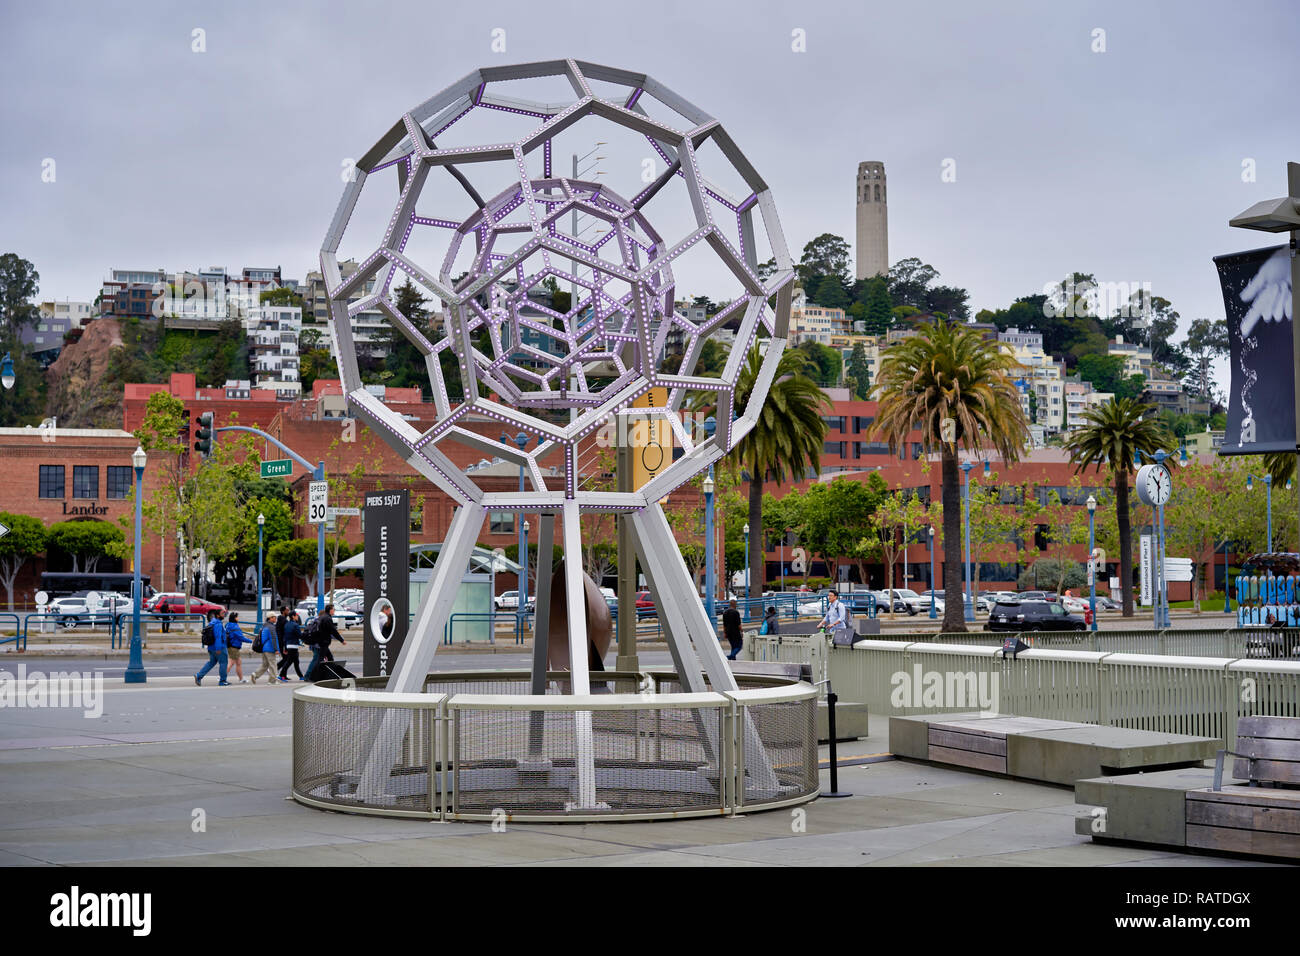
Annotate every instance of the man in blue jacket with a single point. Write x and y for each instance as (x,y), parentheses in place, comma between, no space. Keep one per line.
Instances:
(217,656)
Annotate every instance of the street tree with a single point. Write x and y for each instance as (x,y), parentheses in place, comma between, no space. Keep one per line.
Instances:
(85,542)
(25,540)
(957,389)
(1113,434)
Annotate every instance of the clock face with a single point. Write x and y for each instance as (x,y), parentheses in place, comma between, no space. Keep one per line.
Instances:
(1157,484)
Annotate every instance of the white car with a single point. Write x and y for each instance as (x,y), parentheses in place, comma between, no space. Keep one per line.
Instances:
(507,601)
(69,611)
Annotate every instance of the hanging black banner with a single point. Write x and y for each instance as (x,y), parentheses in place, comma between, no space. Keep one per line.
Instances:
(1257,302)
(388,588)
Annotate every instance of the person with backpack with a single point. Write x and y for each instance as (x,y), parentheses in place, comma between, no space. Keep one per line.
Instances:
(319,633)
(280,623)
(214,639)
(268,646)
(289,646)
(235,641)
(770,625)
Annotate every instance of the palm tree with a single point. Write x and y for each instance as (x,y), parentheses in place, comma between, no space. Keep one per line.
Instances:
(947,373)
(1115,433)
(787,438)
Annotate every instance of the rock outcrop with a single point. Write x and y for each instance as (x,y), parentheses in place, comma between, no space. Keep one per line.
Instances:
(78,391)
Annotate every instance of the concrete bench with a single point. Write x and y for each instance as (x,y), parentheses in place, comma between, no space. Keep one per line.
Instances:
(1035,748)
(1255,812)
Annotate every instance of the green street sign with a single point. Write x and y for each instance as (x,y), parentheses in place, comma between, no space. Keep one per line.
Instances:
(277,469)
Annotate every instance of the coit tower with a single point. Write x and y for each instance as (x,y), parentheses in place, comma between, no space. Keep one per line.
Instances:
(873,221)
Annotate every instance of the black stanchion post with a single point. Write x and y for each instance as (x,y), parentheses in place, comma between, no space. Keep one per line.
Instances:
(831,698)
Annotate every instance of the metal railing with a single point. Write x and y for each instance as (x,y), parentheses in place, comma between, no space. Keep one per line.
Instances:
(478,746)
(1172,693)
(1184,642)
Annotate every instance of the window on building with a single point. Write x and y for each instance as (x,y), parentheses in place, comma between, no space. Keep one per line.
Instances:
(833,448)
(501,522)
(862,422)
(51,481)
(85,481)
(834,422)
(861,448)
(119,481)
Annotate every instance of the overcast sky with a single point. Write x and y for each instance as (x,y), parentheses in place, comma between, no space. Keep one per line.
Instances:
(1126,163)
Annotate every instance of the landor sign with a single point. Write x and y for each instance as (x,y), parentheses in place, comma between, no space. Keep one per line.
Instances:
(388,588)
(84,509)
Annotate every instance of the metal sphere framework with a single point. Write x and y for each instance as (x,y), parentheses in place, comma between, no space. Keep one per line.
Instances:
(524,357)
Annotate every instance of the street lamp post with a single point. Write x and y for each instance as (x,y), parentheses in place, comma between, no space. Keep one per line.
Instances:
(930,547)
(1268,492)
(709,583)
(969,600)
(747,569)
(261,521)
(135,673)
(1092,565)
(1227,604)
(523,592)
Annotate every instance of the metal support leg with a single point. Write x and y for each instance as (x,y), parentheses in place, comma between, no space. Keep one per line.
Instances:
(541,628)
(580,679)
(675,594)
(422,642)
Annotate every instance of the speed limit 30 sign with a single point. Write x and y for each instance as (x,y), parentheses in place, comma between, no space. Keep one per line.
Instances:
(318,501)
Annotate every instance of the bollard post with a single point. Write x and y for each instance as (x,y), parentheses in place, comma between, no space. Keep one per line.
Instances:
(831,698)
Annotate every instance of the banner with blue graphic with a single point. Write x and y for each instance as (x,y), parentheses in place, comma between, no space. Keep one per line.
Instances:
(1257,302)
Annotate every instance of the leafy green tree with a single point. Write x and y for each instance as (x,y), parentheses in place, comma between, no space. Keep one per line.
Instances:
(950,300)
(280,296)
(213,522)
(909,282)
(830,293)
(25,540)
(826,255)
(879,307)
(825,364)
(957,389)
(859,371)
(1064,526)
(1105,372)
(1058,573)
(1113,434)
(84,541)
(1207,340)
(833,517)
(712,358)
(896,519)
(19,281)
(294,558)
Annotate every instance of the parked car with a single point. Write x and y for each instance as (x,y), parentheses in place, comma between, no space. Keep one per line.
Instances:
(904,600)
(507,601)
(69,611)
(344,617)
(1032,615)
(173,602)
(1050,596)
(1107,603)
(645,605)
(108,602)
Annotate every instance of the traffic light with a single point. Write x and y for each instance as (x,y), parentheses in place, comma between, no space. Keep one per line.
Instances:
(206,436)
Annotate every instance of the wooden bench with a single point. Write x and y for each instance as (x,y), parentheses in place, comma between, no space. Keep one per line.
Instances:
(1036,748)
(1262,817)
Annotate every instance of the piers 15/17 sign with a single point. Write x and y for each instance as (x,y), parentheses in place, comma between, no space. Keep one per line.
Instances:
(388,588)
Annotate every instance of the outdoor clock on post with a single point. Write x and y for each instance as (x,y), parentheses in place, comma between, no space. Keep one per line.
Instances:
(1154,484)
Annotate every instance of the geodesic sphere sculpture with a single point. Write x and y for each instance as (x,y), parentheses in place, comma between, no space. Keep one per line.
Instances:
(491,234)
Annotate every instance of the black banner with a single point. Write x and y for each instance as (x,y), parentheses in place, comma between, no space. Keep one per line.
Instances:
(1257,301)
(388,588)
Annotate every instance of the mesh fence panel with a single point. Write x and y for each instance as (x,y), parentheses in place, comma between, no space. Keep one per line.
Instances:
(526,762)
(787,732)
(332,742)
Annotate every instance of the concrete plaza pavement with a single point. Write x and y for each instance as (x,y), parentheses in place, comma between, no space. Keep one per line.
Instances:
(127,787)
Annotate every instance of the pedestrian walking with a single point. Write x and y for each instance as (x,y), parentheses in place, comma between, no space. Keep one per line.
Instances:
(214,639)
(289,646)
(235,641)
(731,629)
(319,633)
(280,622)
(268,645)
(770,625)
